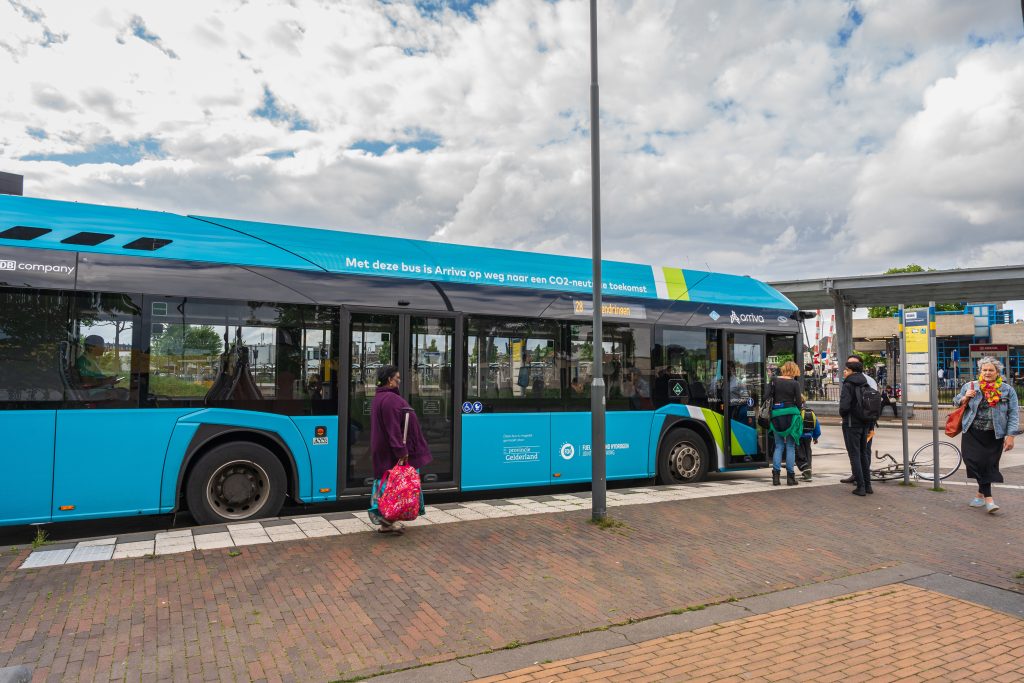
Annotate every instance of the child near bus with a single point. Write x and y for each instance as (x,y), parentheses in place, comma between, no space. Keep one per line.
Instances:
(811,433)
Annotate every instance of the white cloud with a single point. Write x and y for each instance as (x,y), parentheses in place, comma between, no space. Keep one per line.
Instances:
(733,133)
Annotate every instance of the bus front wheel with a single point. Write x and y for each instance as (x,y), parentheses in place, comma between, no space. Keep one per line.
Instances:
(235,482)
(683,457)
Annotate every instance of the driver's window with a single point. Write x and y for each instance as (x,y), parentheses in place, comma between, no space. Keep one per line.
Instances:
(100,361)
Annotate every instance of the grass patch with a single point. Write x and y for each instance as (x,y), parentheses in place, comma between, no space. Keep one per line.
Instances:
(512,645)
(937,490)
(695,608)
(236,553)
(908,484)
(1019,575)
(844,598)
(42,538)
(607,523)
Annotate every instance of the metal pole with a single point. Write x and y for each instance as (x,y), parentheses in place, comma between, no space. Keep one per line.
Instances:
(598,504)
(903,399)
(933,392)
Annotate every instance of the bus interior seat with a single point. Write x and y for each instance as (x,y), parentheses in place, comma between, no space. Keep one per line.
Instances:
(234,381)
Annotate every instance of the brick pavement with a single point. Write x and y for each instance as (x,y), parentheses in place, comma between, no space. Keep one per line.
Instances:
(328,608)
(891,633)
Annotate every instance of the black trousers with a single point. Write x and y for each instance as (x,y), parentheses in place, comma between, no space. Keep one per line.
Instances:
(856,438)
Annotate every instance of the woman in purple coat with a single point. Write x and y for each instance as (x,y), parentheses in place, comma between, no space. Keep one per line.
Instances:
(391,440)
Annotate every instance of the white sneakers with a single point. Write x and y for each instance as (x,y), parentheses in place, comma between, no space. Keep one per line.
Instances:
(980,503)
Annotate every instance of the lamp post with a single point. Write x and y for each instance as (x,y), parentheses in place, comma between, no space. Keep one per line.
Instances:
(598,503)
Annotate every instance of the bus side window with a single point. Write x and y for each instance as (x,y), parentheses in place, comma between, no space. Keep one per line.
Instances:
(35,353)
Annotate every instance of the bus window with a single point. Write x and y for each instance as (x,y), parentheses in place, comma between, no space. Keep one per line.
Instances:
(512,364)
(33,339)
(688,368)
(250,355)
(101,360)
(627,366)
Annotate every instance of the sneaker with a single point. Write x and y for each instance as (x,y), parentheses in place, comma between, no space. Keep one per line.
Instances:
(991,507)
(849,480)
(807,475)
(977,502)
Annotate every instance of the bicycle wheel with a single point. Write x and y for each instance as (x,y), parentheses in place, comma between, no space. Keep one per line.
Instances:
(887,473)
(922,463)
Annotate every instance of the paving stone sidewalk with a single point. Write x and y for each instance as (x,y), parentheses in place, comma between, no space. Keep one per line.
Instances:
(328,608)
(891,633)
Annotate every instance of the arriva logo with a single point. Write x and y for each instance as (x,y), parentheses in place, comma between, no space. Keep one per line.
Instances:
(567,451)
(714,315)
(737,319)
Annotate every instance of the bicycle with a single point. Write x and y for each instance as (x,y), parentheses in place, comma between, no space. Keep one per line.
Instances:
(921,464)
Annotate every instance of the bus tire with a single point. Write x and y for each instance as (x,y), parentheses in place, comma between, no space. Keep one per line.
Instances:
(683,457)
(234,482)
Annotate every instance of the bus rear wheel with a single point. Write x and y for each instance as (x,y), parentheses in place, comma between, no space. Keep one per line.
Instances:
(683,457)
(235,482)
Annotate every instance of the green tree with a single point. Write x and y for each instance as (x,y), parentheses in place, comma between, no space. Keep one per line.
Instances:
(889,311)
(869,360)
(187,340)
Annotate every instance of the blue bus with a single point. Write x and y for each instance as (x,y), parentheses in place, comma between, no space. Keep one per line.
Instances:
(153,362)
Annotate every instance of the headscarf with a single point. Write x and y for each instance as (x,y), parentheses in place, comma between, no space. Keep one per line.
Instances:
(991,390)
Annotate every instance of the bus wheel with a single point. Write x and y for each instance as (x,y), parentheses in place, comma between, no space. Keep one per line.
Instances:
(683,457)
(234,482)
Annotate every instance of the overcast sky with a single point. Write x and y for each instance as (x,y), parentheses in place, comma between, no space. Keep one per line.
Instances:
(780,139)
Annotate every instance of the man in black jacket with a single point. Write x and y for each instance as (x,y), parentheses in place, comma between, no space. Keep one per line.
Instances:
(855,430)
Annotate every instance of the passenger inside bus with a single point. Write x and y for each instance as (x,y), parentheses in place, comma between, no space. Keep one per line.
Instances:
(739,394)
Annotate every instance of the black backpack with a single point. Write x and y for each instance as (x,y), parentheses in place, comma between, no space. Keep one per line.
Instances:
(867,404)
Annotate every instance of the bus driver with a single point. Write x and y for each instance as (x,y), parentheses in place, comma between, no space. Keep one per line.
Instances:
(87,365)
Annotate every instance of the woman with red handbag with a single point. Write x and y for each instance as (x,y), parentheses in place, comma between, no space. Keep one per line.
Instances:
(395,437)
(990,421)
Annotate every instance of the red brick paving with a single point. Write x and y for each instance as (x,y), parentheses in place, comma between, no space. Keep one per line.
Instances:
(891,633)
(336,607)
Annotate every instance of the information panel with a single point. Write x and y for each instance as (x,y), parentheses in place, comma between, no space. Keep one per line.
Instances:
(919,365)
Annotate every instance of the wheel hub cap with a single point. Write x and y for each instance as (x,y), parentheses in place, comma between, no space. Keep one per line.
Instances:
(685,461)
(238,489)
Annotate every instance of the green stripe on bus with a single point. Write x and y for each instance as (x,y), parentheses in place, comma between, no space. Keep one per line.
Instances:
(714,423)
(675,281)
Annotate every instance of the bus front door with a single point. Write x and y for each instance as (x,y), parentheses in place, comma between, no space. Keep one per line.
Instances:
(424,349)
(745,391)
